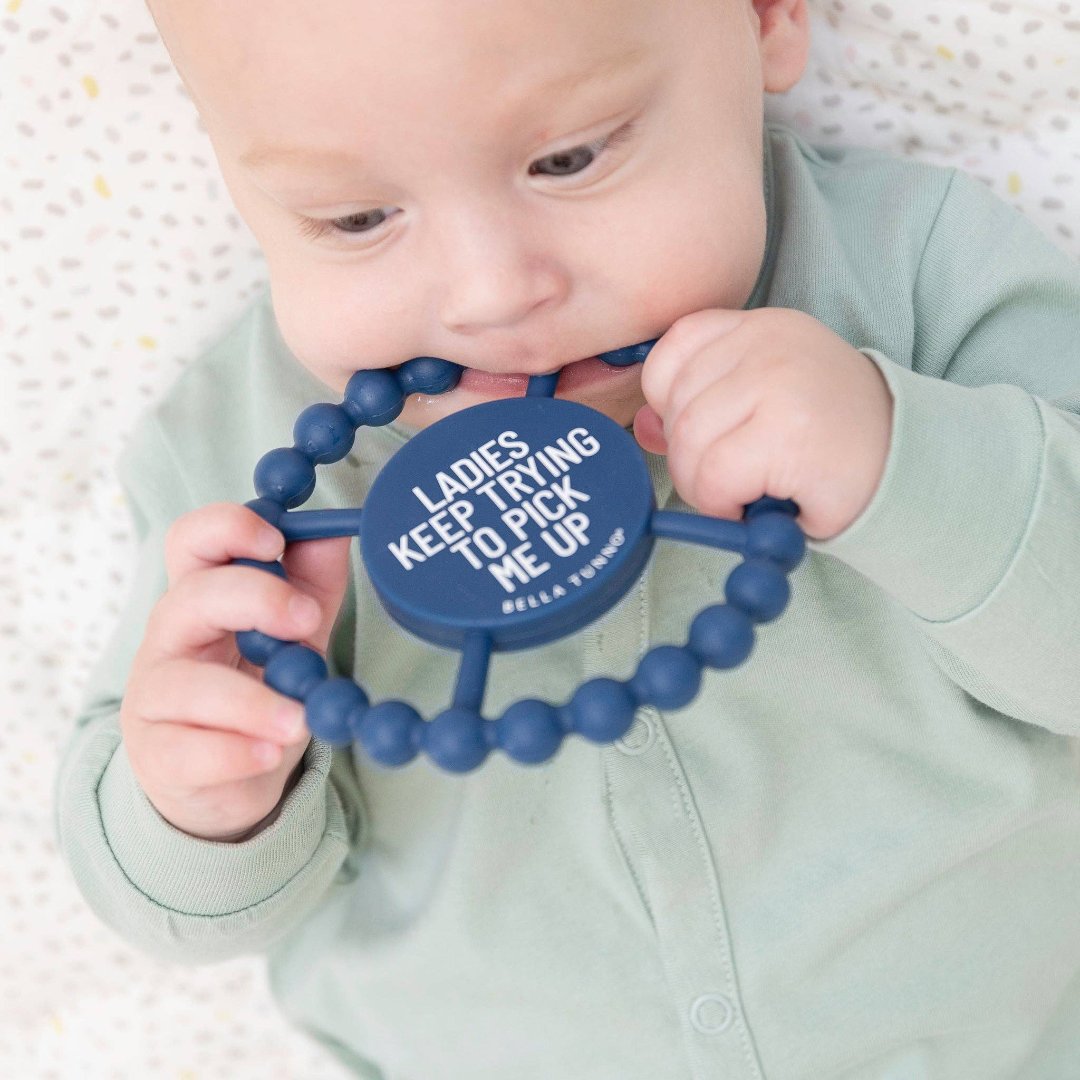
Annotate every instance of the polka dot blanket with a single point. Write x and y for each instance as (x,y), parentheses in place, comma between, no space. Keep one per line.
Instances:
(121,258)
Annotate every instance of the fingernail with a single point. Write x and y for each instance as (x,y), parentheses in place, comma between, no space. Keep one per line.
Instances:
(269,541)
(303,609)
(289,721)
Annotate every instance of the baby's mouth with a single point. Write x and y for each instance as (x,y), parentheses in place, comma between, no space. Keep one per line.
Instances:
(572,377)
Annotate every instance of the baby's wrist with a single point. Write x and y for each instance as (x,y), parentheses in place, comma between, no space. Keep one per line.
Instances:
(243,832)
(241,835)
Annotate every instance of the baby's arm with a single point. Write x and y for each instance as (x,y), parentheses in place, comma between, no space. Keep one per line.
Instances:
(976,523)
(954,483)
(178,836)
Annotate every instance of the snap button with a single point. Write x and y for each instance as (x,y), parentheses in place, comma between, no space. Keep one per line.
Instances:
(641,736)
(712,1014)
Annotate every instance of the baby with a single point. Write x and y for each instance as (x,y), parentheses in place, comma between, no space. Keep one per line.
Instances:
(856,856)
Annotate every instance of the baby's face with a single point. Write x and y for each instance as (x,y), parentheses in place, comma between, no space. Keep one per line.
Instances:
(514,185)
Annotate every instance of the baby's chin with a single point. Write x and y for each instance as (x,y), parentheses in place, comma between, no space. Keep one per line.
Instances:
(615,392)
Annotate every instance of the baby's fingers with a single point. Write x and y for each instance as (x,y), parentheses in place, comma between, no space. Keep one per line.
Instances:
(175,760)
(214,696)
(321,569)
(678,352)
(207,605)
(732,472)
(215,535)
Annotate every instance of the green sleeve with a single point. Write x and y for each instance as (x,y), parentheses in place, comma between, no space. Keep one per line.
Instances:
(168,893)
(975,527)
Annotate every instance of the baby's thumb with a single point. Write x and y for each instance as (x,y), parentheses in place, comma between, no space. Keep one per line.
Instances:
(649,430)
(320,568)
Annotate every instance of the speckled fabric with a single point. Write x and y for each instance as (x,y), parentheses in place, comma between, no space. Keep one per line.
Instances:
(121,257)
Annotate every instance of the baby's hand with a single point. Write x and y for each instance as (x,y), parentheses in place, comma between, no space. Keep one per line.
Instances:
(212,746)
(766,402)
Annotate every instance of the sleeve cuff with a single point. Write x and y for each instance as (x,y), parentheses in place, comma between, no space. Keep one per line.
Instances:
(204,877)
(957,496)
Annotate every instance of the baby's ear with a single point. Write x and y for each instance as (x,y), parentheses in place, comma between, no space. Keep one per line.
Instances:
(785,42)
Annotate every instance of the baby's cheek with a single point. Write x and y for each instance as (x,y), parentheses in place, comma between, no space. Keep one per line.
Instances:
(689,278)
(326,332)
(307,332)
(719,267)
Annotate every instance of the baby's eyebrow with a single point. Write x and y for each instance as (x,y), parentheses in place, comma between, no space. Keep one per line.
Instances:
(564,85)
(260,156)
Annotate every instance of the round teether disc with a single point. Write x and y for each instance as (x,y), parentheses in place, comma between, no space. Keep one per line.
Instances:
(523,519)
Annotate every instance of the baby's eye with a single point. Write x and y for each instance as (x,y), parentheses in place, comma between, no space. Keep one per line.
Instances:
(358,223)
(362,222)
(566,162)
(579,158)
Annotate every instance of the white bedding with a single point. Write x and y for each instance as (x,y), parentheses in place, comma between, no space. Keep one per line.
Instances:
(120,258)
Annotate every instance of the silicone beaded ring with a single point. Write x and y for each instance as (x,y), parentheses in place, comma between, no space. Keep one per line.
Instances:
(536,515)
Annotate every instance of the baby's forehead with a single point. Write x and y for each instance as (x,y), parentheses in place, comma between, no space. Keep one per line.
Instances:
(479,32)
(272,64)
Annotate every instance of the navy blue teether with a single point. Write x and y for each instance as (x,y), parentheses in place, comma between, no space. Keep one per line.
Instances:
(502,527)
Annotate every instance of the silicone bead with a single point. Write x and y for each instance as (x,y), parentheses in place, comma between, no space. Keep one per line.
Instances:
(457,740)
(529,731)
(330,709)
(390,733)
(295,671)
(667,676)
(602,710)
(373,398)
(428,375)
(286,476)
(776,537)
(630,354)
(758,588)
(324,433)
(721,636)
(256,647)
(768,505)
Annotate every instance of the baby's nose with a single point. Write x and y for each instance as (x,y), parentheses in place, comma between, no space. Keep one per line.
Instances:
(495,278)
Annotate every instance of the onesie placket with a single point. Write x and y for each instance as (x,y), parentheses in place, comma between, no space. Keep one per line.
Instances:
(659,832)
